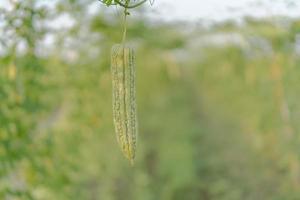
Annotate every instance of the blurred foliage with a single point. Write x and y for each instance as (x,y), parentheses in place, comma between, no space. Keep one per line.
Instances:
(218,107)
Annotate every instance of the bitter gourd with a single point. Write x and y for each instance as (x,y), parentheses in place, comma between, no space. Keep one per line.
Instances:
(124,98)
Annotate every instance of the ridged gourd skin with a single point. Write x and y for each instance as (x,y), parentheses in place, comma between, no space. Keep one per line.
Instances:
(124,99)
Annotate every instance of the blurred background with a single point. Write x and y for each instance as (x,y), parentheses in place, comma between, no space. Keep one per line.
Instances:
(218,88)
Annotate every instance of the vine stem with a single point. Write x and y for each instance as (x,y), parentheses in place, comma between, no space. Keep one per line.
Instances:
(126,5)
(117,2)
(125,27)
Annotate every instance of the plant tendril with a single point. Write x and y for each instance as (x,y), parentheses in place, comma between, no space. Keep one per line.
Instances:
(126,5)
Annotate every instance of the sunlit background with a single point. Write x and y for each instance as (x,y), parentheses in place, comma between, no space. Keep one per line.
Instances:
(217,93)
(222,10)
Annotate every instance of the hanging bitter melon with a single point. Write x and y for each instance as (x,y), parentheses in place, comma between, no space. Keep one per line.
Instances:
(124,98)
